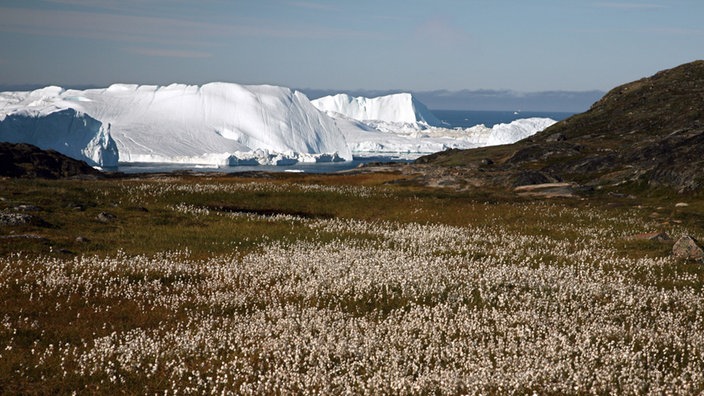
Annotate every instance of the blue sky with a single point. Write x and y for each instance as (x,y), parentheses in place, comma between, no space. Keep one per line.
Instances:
(417,45)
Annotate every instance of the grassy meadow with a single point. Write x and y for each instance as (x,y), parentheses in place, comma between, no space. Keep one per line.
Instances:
(342,284)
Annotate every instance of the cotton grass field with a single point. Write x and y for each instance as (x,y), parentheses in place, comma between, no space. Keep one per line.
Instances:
(342,285)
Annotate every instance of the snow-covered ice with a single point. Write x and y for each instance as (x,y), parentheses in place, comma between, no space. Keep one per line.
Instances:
(401,125)
(226,124)
(379,138)
(217,123)
(400,108)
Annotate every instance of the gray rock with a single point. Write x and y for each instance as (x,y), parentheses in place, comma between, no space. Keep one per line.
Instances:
(687,248)
(487,161)
(105,217)
(547,190)
(14,219)
(556,137)
(24,236)
(653,236)
(27,208)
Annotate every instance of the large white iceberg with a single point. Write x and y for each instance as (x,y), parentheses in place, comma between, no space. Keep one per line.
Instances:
(217,123)
(401,108)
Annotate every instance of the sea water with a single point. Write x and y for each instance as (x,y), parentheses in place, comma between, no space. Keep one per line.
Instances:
(321,167)
(452,118)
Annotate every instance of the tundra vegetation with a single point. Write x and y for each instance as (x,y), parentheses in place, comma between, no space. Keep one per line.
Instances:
(342,284)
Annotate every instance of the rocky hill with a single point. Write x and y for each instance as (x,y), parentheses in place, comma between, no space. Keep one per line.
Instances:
(25,160)
(646,133)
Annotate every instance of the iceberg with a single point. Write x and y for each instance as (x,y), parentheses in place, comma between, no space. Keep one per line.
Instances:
(67,131)
(401,108)
(213,124)
(400,125)
(516,130)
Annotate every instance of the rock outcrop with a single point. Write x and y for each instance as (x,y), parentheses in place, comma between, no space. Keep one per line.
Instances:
(26,160)
(649,133)
(687,248)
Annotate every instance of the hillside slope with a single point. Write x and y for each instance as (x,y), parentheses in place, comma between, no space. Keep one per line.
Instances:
(28,161)
(648,132)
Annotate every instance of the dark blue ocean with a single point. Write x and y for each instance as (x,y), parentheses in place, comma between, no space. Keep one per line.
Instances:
(453,119)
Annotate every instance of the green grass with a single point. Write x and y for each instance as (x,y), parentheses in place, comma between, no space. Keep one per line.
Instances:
(148,224)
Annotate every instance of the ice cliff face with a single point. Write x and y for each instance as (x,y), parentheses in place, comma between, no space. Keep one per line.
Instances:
(231,124)
(217,123)
(398,108)
(67,131)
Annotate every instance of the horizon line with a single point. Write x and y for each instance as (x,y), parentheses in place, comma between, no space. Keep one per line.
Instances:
(82,86)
